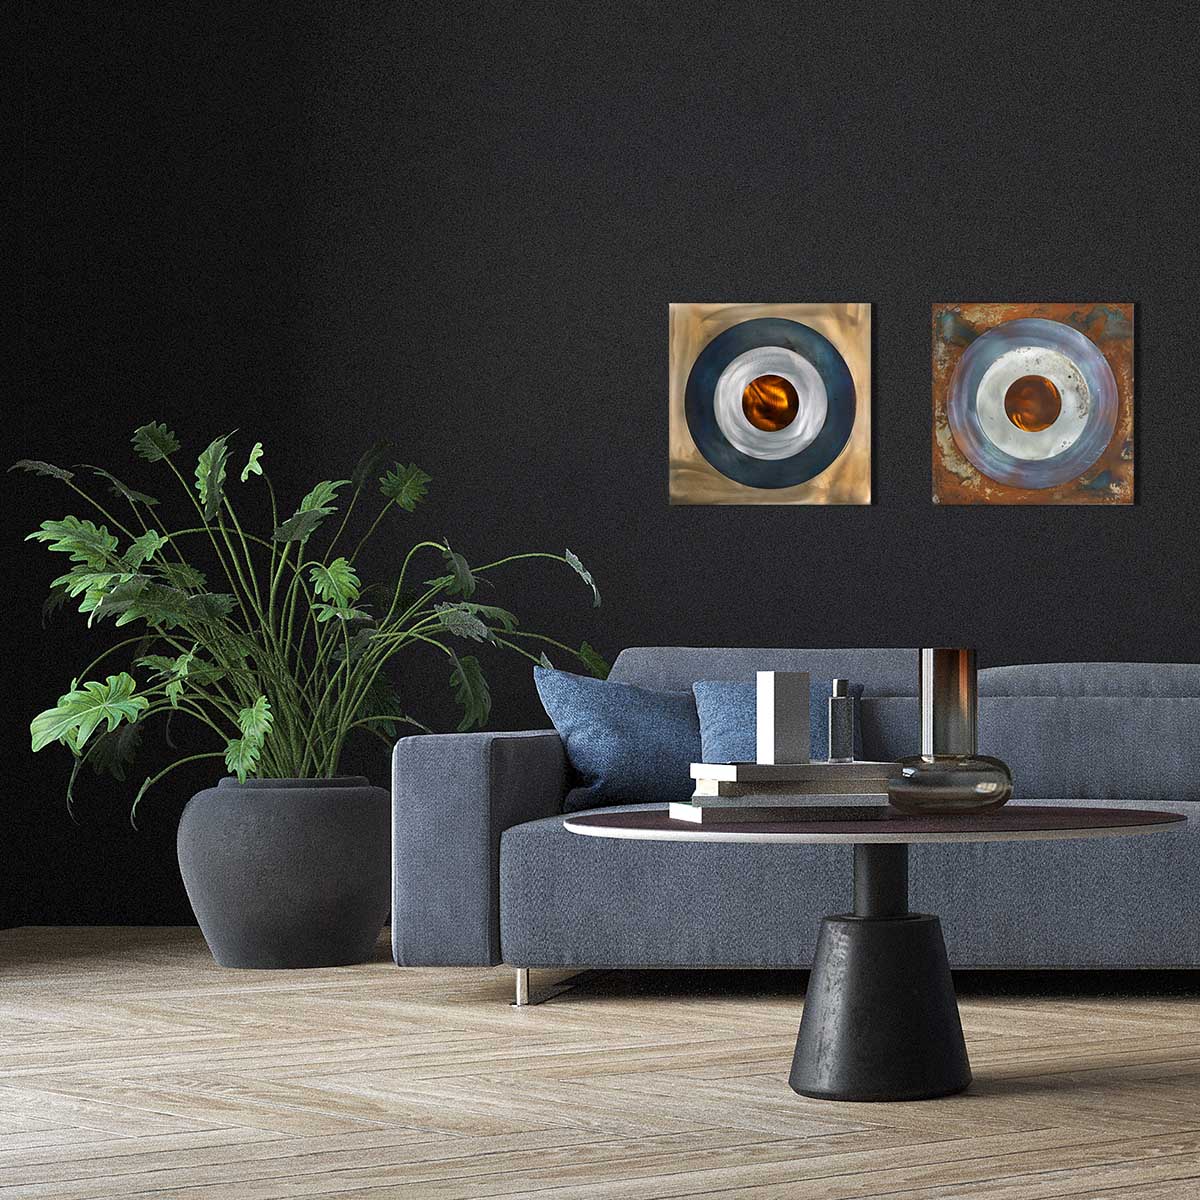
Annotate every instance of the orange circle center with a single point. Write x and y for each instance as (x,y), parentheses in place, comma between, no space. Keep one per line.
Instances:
(1032,403)
(770,403)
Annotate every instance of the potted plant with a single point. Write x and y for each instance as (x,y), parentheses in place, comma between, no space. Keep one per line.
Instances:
(286,863)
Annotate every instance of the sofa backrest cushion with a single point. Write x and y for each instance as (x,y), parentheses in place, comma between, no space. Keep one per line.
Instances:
(1095,731)
(1087,731)
(882,672)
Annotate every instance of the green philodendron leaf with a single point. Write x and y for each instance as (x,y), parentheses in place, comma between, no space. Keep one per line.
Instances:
(584,574)
(52,603)
(594,662)
(154,441)
(94,586)
(210,475)
(119,489)
(181,576)
(382,704)
(176,673)
(314,508)
(252,463)
(84,541)
(371,462)
(82,579)
(460,621)
(462,581)
(241,756)
(544,661)
(112,752)
(93,602)
(36,467)
(471,691)
(201,672)
(210,606)
(147,545)
(173,671)
(330,612)
(299,526)
(140,598)
(120,600)
(75,717)
(337,583)
(357,642)
(407,486)
(255,720)
(489,612)
(138,799)
(323,495)
(160,664)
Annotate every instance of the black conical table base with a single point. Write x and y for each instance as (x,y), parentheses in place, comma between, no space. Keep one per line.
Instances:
(880,1019)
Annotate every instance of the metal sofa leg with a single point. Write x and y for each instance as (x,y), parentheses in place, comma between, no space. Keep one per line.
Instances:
(526,996)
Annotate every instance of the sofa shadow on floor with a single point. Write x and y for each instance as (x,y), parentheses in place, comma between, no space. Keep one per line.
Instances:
(710,983)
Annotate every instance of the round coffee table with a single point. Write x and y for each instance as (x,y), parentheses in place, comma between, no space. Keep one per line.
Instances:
(880,1019)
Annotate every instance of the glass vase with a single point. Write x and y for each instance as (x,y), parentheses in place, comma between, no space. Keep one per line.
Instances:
(949,783)
(948,776)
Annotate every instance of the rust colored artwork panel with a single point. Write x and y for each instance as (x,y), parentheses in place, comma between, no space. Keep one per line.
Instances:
(1033,403)
(770,403)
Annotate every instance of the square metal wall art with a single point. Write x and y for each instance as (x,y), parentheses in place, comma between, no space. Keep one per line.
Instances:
(1033,403)
(770,403)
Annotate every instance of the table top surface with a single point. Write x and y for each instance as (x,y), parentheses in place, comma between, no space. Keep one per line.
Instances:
(879,823)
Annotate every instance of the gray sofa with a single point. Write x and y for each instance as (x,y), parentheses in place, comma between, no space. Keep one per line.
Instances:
(484,872)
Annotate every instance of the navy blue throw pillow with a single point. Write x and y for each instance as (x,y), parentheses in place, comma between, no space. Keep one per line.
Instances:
(729,717)
(626,744)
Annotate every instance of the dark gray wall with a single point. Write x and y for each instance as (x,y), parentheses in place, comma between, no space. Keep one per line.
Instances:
(461,225)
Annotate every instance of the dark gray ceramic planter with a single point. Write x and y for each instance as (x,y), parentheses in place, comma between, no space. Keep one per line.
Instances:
(288,872)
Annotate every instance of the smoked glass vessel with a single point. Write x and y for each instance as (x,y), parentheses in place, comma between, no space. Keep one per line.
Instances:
(948,776)
(949,783)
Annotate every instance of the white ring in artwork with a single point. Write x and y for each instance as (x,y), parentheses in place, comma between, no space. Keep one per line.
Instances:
(1053,365)
(810,391)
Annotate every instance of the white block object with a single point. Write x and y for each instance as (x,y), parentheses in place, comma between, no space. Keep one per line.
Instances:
(783,731)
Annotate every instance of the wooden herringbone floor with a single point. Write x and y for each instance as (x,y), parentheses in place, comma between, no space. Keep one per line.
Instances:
(130,1065)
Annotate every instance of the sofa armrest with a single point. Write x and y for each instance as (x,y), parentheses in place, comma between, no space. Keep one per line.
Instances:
(453,795)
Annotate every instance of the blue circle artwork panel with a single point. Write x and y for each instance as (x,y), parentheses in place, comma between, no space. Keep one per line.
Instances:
(807,409)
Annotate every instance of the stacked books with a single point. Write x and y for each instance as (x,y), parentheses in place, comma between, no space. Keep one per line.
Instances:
(750,791)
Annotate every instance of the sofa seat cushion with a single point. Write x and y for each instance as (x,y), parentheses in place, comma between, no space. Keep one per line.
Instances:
(566,899)
(575,901)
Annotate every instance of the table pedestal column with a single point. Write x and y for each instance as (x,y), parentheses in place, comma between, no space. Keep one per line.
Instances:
(880,1020)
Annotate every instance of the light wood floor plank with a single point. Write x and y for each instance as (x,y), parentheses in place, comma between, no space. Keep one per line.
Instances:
(131,1065)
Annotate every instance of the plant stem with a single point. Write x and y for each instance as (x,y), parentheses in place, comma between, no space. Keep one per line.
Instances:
(100,508)
(342,526)
(366,537)
(179,762)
